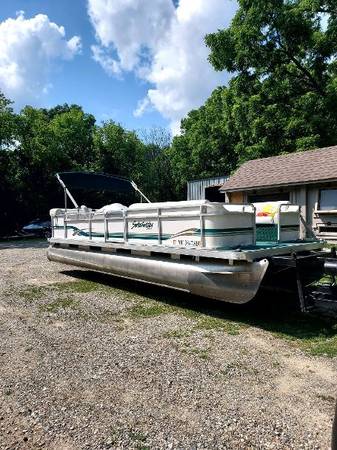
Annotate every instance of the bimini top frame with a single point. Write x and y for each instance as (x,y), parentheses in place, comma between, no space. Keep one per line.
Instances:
(96,182)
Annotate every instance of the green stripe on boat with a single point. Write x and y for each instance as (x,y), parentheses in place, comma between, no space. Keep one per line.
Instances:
(196,232)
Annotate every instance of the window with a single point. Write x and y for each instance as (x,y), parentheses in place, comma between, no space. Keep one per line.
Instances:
(328,199)
(276,197)
(213,194)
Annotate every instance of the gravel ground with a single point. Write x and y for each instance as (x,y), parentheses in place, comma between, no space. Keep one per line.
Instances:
(90,362)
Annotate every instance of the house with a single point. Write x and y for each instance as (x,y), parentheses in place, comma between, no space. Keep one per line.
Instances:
(307,178)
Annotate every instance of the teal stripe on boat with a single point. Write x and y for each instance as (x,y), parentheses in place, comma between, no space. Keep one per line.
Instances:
(215,232)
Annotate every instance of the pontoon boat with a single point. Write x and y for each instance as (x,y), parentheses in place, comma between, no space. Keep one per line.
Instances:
(216,250)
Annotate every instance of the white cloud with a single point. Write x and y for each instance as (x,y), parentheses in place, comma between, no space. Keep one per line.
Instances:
(110,65)
(28,50)
(143,105)
(162,45)
(130,26)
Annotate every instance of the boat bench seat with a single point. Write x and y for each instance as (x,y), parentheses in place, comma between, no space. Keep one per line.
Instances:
(277,221)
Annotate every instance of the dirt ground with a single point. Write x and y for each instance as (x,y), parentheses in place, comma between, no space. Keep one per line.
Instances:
(89,361)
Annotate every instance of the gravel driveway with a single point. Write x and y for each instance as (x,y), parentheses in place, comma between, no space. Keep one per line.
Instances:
(89,361)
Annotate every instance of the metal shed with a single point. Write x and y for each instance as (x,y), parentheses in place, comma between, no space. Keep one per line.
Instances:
(198,189)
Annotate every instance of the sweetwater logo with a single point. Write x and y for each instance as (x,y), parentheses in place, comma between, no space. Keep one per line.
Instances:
(146,225)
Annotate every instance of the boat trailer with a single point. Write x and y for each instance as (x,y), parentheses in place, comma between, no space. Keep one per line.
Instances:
(311,275)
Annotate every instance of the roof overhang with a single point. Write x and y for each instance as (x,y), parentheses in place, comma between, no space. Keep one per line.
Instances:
(272,186)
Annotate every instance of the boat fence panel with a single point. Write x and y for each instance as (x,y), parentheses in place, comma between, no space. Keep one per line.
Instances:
(200,224)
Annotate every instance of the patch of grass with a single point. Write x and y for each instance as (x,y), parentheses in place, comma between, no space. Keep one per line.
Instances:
(321,346)
(179,334)
(62,303)
(214,323)
(200,352)
(80,287)
(313,335)
(202,321)
(137,436)
(149,309)
(32,293)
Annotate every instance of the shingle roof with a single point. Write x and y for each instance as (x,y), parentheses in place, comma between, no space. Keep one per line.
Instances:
(294,168)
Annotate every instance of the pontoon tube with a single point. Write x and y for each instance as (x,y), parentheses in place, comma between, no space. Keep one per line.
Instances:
(220,280)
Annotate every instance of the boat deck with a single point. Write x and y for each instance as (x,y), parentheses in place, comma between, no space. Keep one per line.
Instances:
(243,253)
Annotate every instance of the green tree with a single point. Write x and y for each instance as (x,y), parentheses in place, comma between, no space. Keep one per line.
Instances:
(8,213)
(205,146)
(7,123)
(118,151)
(142,159)
(8,136)
(49,142)
(73,132)
(284,92)
(157,179)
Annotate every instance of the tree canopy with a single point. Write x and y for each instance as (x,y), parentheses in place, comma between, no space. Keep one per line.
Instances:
(37,143)
(284,53)
(282,96)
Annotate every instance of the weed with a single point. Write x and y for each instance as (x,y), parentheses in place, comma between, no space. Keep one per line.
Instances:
(149,309)
(137,436)
(213,323)
(202,353)
(80,287)
(179,334)
(32,293)
(59,304)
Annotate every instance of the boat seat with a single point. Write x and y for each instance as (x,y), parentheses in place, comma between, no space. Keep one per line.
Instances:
(113,208)
(269,216)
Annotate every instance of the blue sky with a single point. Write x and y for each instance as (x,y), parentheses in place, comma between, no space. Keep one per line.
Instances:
(174,78)
(82,80)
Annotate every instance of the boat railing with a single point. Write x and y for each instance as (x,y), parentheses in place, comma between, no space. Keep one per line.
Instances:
(296,211)
(77,216)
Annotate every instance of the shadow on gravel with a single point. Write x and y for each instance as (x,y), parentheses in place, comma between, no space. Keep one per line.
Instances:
(268,311)
(24,243)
